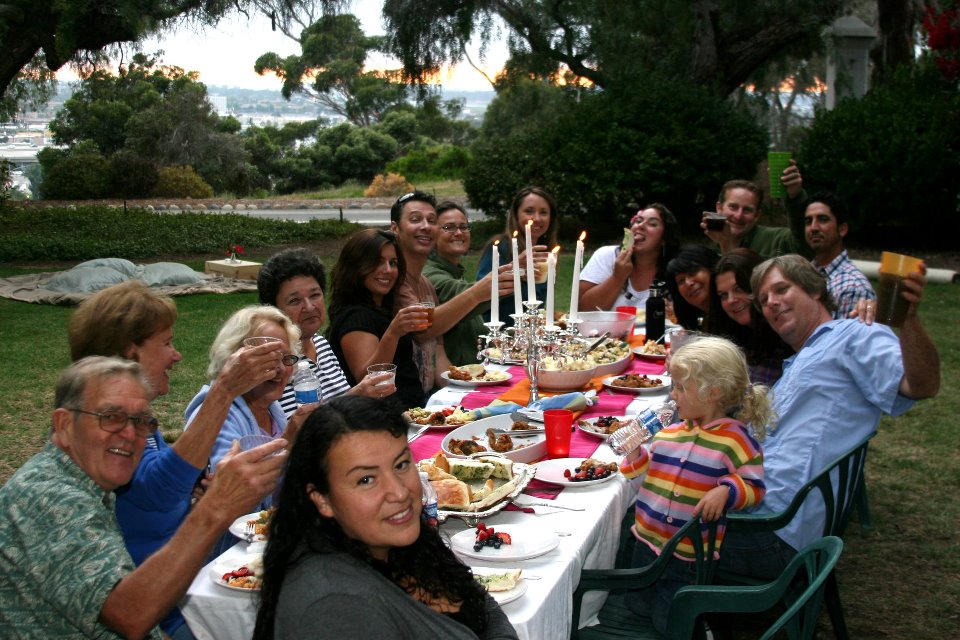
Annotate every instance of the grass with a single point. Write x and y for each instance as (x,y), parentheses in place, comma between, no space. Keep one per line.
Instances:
(900,581)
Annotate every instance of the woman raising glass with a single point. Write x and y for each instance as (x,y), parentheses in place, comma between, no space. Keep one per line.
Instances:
(364,330)
(347,555)
(295,281)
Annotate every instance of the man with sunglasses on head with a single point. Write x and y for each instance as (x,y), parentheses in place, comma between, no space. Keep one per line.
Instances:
(66,570)
(413,218)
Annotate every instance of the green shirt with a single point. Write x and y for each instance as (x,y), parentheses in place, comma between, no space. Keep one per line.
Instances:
(61,551)
(460,342)
(777,241)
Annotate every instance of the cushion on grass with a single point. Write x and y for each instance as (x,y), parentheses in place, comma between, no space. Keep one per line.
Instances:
(86,279)
(162,274)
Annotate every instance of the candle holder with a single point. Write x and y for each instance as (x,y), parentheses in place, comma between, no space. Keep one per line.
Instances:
(530,339)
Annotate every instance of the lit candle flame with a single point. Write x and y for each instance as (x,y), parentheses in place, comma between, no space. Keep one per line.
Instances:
(556,249)
(583,235)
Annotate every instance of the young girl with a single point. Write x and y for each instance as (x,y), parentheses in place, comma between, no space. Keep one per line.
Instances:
(705,465)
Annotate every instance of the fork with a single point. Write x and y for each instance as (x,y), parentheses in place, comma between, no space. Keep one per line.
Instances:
(250,532)
(548,504)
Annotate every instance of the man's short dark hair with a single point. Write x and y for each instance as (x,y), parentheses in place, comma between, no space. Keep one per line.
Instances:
(837,206)
(396,211)
(729,185)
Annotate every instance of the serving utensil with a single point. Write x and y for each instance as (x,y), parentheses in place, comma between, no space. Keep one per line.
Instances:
(603,337)
(520,432)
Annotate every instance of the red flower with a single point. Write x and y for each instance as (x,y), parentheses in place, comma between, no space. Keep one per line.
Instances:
(234,249)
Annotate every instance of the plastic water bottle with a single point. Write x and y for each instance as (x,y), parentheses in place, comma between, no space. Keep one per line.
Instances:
(306,385)
(656,312)
(641,429)
(429,499)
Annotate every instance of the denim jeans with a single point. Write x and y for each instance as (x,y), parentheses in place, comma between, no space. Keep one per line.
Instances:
(654,601)
(761,555)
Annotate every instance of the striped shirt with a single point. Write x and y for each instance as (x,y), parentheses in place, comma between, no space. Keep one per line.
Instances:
(332,381)
(684,462)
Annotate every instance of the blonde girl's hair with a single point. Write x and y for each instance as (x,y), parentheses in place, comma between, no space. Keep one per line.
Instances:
(711,362)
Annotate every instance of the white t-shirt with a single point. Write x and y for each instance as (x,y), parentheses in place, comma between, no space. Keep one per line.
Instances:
(600,267)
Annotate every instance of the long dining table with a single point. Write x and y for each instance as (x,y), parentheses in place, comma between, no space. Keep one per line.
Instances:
(586,519)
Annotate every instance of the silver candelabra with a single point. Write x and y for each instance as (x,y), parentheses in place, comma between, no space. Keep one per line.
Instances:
(527,342)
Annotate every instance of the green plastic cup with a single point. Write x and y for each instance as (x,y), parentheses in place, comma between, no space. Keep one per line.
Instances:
(777,161)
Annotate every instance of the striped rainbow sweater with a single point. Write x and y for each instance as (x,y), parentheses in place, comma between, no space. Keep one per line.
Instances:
(684,462)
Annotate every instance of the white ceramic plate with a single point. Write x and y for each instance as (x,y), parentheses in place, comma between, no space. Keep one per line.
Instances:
(654,357)
(221,567)
(477,383)
(528,542)
(667,384)
(239,527)
(436,427)
(502,597)
(597,434)
(552,471)
(534,449)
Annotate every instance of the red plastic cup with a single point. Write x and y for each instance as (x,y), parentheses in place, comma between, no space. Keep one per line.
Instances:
(626,309)
(557,424)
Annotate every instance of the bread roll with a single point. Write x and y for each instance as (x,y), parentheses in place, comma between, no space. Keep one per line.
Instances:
(452,495)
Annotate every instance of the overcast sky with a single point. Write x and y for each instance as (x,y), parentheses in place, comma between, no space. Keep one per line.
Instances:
(225,55)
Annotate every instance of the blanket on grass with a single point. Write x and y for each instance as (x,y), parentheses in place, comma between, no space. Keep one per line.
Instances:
(75,285)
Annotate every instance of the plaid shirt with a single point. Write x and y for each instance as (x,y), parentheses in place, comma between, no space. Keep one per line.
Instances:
(846,284)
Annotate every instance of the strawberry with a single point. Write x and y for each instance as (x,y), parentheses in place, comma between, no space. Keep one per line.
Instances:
(505,538)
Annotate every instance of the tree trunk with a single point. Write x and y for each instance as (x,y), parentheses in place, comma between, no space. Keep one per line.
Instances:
(895,20)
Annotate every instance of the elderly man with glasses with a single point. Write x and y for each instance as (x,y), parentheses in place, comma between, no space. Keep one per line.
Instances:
(66,570)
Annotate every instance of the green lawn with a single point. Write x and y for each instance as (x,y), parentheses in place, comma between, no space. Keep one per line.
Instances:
(900,581)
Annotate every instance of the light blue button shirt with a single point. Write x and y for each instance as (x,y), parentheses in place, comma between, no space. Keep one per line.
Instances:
(830,398)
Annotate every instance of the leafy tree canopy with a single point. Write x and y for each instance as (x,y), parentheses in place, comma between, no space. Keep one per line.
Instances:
(331,70)
(158,116)
(713,43)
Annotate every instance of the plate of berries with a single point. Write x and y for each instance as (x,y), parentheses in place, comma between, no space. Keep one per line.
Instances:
(576,472)
(504,543)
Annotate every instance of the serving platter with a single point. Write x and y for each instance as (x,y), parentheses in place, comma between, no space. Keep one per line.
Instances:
(522,475)
(531,448)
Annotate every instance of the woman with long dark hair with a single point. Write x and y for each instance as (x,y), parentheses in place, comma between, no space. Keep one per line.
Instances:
(689,277)
(734,316)
(364,330)
(539,208)
(614,276)
(347,555)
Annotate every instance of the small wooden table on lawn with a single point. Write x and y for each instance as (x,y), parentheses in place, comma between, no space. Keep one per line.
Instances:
(241,269)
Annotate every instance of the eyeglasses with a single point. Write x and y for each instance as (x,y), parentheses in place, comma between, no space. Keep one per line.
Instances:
(114,421)
(453,228)
(290,359)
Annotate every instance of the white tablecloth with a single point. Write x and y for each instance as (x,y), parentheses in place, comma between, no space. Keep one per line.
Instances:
(589,539)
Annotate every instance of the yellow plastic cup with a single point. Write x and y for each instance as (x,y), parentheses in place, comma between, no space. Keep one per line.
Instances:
(891,305)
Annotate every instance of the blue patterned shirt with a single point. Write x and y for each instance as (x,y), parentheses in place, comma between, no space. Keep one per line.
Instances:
(846,284)
(61,553)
